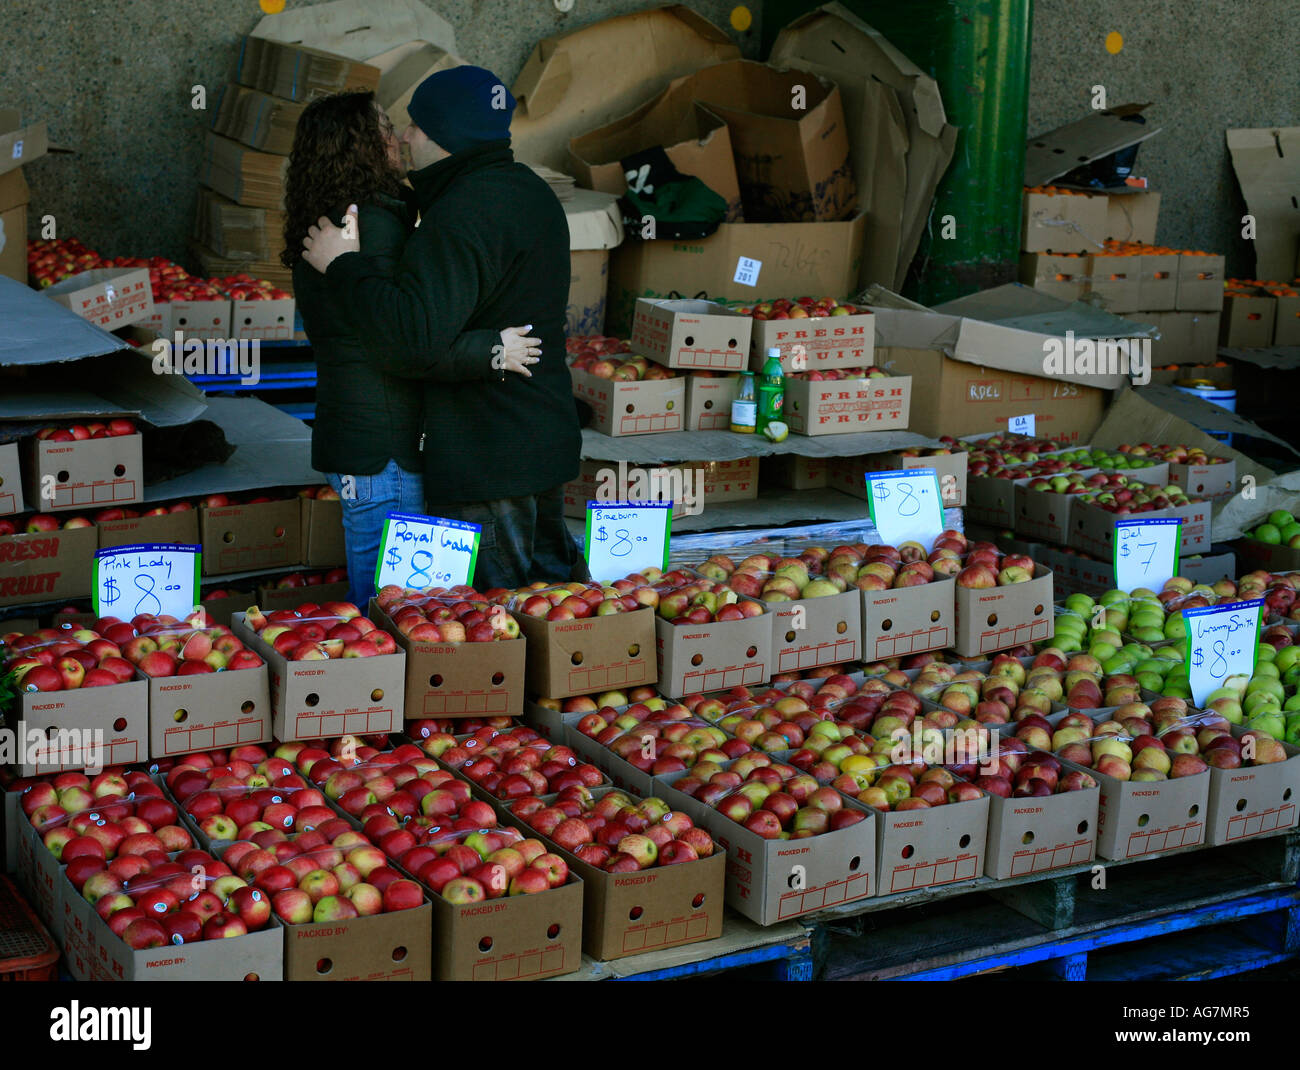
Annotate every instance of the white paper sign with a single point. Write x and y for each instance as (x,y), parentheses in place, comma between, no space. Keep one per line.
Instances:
(624,537)
(157,578)
(1021,425)
(420,552)
(1222,641)
(1146,552)
(906,506)
(747,271)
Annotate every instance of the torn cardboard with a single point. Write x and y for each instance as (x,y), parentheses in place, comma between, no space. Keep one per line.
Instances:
(1057,152)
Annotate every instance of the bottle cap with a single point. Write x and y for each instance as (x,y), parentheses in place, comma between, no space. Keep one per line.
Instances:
(773,352)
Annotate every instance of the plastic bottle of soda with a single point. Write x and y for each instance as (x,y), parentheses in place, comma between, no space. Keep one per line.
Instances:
(771,391)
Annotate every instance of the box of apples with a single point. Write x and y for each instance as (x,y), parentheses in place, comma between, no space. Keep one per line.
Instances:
(257,308)
(78,704)
(1043,504)
(691,334)
(629,394)
(948,461)
(839,401)
(583,637)
(123,526)
(184,303)
(464,655)
(1253,785)
(707,636)
(332,671)
(11,480)
(331,585)
(813,334)
(651,878)
(816,618)
(1003,600)
(547,714)
(508,763)
(96,463)
(108,297)
(1093,516)
(322,527)
(262,533)
(793,846)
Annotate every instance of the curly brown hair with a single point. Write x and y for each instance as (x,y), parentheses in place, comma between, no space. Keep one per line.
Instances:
(338,158)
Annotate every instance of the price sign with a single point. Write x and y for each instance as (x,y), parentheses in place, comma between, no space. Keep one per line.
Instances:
(906,506)
(1146,552)
(1021,425)
(1222,641)
(157,578)
(426,551)
(625,537)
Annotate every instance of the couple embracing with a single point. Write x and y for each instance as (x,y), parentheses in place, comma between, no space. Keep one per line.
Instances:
(436,313)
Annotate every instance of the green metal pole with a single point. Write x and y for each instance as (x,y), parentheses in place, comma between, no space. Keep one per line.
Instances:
(978,52)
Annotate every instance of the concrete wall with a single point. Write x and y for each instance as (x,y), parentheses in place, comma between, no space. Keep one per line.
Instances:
(114,82)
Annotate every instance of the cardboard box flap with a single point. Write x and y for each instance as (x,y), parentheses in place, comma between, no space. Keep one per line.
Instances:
(358,29)
(39,331)
(1060,151)
(1267,164)
(568,85)
(18,144)
(1284,358)
(595,220)
(675,446)
(14,191)
(1235,515)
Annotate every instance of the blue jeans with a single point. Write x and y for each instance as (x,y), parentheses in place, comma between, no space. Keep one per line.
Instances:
(367,501)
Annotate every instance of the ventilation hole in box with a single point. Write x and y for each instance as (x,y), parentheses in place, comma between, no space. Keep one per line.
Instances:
(698,901)
(498,678)
(377,694)
(312,700)
(708,405)
(119,725)
(886,624)
(635,913)
(485,944)
(399,953)
(62,477)
(908,851)
(577,657)
(842,627)
(251,977)
(1286,795)
(228,536)
(1058,151)
(934,616)
(324,965)
(964,841)
(119,470)
(181,716)
(629,409)
(248,707)
(751,652)
(634,651)
(1083,827)
(697,659)
(670,405)
(854,863)
(993,619)
(690,340)
(789,637)
(1142,821)
(1241,805)
(279,531)
(553,930)
(1194,809)
(52,731)
(435,680)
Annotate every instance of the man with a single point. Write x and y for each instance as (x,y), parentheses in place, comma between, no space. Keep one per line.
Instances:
(492,247)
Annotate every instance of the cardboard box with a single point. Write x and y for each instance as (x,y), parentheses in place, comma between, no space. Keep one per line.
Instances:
(46,567)
(588,281)
(93,473)
(335,697)
(581,657)
(258,119)
(1037,835)
(1146,818)
(1063,222)
(908,620)
(708,401)
(459,679)
(119,712)
(246,176)
(775,880)
(1042,514)
(633,408)
(1157,281)
(107,297)
(547,721)
(246,538)
(14,198)
(815,344)
(1093,528)
(1063,275)
(269,598)
(849,473)
(1131,215)
(1169,376)
(295,72)
(1253,554)
(728,481)
(207,711)
(794,472)
(1072,572)
(220,610)
(11,483)
(928,848)
(811,632)
(661,482)
(182,527)
(10,814)
(37,873)
(711,657)
(192,319)
(1200,283)
(1253,800)
(1247,322)
(1205,480)
(20,144)
(323,544)
(1208,568)
(998,618)
(1115,281)
(237,231)
(699,335)
(992,502)
(743,262)
(381,947)
(1286,326)
(269,321)
(846,406)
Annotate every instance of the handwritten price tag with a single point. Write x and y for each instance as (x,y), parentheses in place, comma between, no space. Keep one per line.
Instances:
(906,506)
(157,578)
(625,537)
(1021,425)
(1146,552)
(426,551)
(1222,641)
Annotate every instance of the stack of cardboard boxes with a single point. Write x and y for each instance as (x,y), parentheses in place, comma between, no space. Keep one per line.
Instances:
(1257,314)
(19,144)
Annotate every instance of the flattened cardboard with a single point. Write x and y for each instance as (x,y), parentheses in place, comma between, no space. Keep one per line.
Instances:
(46,567)
(295,72)
(11,483)
(459,679)
(208,710)
(182,527)
(849,473)
(334,697)
(908,620)
(107,297)
(381,947)
(810,632)
(633,408)
(815,344)
(998,618)
(929,848)
(582,657)
(711,657)
(1056,152)
(708,401)
(323,545)
(844,406)
(90,474)
(14,198)
(1093,528)
(1265,164)
(120,712)
(246,538)
(1148,817)
(795,472)
(1037,835)
(699,335)
(1253,800)
(831,869)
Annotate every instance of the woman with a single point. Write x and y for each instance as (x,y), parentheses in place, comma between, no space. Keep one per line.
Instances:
(366,437)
